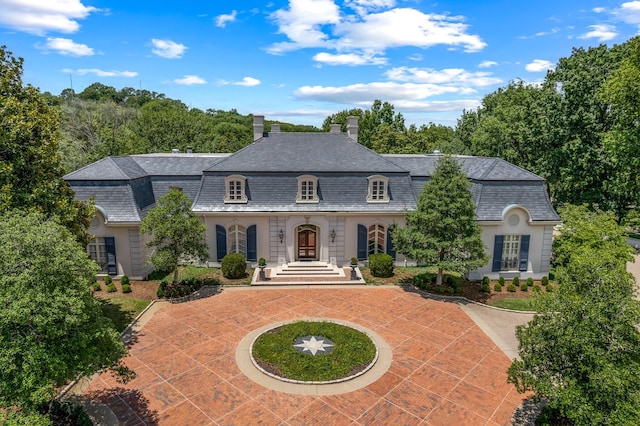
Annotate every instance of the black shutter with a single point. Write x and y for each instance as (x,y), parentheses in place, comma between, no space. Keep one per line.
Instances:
(252,255)
(362,242)
(391,250)
(110,246)
(497,253)
(524,252)
(221,242)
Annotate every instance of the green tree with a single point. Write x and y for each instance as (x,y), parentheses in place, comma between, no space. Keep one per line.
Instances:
(581,352)
(442,230)
(177,235)
(51,327)
(30,169)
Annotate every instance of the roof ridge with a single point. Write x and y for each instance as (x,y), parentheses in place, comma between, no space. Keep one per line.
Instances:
(490,168)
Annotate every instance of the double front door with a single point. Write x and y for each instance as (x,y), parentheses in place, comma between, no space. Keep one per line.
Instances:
(307,240)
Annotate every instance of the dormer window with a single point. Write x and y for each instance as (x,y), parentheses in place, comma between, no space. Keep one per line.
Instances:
(307,189)
(378,191)
(235,189)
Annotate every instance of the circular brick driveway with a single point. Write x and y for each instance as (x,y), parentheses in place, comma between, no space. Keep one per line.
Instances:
(444,369)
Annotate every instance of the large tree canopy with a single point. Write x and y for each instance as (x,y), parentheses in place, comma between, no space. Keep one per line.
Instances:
(582,350)
(51,326)
(176,233)
(30,169)
(442,230)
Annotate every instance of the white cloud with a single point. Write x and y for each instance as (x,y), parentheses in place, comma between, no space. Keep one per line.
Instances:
(445,76)
(67,47)
(40,16)
(437,106)
(351,59)
(246,81)
(222,20)
(601,32)
(100,73)
(539,65)
(366,93)
(372,30)
(487,64)
(415,57)
(599,9)
(167,48)
(189,80)
(629,12)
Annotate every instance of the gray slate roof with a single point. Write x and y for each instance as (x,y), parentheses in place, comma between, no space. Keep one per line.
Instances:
(126,187)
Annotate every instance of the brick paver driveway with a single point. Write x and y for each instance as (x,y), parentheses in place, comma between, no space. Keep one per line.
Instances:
(444,371)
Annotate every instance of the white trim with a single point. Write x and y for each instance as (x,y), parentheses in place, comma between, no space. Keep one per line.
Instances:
(378,179)
(308,198)
(227,189)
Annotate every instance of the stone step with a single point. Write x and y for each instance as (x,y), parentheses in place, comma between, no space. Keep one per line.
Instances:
(308,273)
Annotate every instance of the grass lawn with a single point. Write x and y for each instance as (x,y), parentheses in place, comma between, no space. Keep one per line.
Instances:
(353,351)
(518,304)
(122,310)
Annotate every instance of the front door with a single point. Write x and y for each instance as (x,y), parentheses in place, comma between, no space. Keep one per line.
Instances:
(307,242)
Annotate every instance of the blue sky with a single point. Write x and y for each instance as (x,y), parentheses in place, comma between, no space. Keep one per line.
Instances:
(302,60)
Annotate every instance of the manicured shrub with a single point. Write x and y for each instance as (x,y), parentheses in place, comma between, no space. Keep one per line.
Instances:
(524,287)
(485,288)
(124,280)
(262,262)
(501,281)
(126,288)
(516,281)
(111,288)
(497,287)
(234,266)
(97,286)
(486,280)
(511,288)
(545,280)
(537,289)
(381,265)
(424,280)
(529,281)
(550,288)
(354,260)
(108,280)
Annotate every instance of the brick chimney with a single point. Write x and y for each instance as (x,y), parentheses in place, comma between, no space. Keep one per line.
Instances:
(352,128)
(258,127)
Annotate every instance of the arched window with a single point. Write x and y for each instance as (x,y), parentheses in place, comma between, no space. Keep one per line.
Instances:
(376,239)
(237,239)
(235,189)
(378,191)
(307,189)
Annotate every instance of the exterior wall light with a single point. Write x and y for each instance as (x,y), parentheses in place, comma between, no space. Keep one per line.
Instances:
(281,235)
(333,235)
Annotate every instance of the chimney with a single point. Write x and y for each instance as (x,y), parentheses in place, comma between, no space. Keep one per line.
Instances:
(275,128)
(189,150)
(352,128)
(335,128)
(258,127)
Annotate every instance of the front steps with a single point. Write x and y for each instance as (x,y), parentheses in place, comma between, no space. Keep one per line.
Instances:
(308,273)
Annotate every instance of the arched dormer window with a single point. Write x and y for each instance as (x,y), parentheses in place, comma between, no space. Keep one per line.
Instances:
(235,189)
(378,189)
(307,189)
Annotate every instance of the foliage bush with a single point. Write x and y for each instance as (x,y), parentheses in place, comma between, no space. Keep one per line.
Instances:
(485,288)
(550,288)
(497,287)
(124,280)
(354,261)
(108,280)
(486,280)
(524,287)
(381,265)
(545,280)
(234,266)
(529,281)
(111,288)
(501,281)
(97,286)
(262,261)
(185,287)
(537,289)
(516,281)
(511,288)
(126,288)
(427,282)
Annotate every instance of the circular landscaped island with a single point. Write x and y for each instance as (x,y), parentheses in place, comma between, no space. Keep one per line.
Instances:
(313,352)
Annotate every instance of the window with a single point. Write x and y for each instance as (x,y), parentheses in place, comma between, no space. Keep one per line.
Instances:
(510,253)
(97,250)
(375,240)
(237,240)
(235,189)
(307,189)
(378,190)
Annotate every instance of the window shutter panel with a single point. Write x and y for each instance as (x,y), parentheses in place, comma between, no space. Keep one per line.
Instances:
(110,246)
(391,250)
(221,242)
(524,252)
(252,255)
(497,253)
(362,242)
